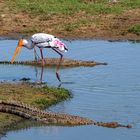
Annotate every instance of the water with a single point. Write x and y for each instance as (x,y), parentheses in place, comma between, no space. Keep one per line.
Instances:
(102,93)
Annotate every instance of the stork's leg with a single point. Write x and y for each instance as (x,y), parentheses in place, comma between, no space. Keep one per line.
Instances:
(58,66)
(43,61)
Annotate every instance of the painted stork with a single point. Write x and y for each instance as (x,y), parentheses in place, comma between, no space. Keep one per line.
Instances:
(42,40)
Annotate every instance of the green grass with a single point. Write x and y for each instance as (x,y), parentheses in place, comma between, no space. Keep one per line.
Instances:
(70,15)
(39,97)
(33,29)
(70,26)
(135,29)
(130,3)
(57,7)
(54,95)
(27,93)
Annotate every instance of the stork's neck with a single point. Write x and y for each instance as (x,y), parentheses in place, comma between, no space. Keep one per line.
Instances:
(29,45)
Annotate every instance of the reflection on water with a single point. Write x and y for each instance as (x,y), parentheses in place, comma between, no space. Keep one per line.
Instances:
(39,75)
(103,93)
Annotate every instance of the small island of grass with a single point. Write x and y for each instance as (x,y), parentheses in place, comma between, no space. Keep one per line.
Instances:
(29,93)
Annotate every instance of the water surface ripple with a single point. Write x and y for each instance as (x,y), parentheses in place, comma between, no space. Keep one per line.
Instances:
(103,93)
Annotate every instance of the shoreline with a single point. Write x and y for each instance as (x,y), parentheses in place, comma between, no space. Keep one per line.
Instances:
(18,22)
(15,36)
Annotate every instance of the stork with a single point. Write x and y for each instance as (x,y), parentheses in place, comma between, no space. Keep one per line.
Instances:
(41,41)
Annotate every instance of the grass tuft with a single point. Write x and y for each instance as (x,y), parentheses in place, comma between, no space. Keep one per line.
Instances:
(39,97)
(135,29)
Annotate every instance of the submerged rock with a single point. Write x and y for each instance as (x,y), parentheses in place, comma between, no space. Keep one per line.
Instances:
(24,79)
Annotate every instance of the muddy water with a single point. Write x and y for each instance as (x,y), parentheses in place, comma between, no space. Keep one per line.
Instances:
(103,93)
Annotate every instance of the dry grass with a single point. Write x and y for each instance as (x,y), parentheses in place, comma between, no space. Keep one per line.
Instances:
(98,18)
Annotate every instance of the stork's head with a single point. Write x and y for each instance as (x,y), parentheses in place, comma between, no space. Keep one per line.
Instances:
(59,45)
(21,43)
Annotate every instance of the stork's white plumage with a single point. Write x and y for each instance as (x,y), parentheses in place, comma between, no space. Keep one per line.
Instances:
(42,40)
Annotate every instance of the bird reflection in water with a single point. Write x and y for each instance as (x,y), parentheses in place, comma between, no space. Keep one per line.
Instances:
(39,72)
(39,75)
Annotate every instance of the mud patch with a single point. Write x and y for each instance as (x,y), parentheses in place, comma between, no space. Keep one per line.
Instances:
(104,26)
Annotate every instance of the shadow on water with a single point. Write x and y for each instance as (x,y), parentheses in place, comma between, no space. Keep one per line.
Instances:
(22,125)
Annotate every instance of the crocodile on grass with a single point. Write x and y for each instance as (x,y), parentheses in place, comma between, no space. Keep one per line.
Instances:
(28,112)
(54,61)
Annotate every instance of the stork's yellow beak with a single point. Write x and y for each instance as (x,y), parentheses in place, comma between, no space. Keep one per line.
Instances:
(17,50)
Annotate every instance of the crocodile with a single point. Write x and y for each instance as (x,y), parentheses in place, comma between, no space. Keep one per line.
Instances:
(54,62)
(47,117)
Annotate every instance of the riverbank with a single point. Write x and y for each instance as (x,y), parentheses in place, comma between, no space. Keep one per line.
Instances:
(29,93)
(98,19)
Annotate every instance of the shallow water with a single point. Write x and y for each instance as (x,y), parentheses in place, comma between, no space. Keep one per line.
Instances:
(102,93)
